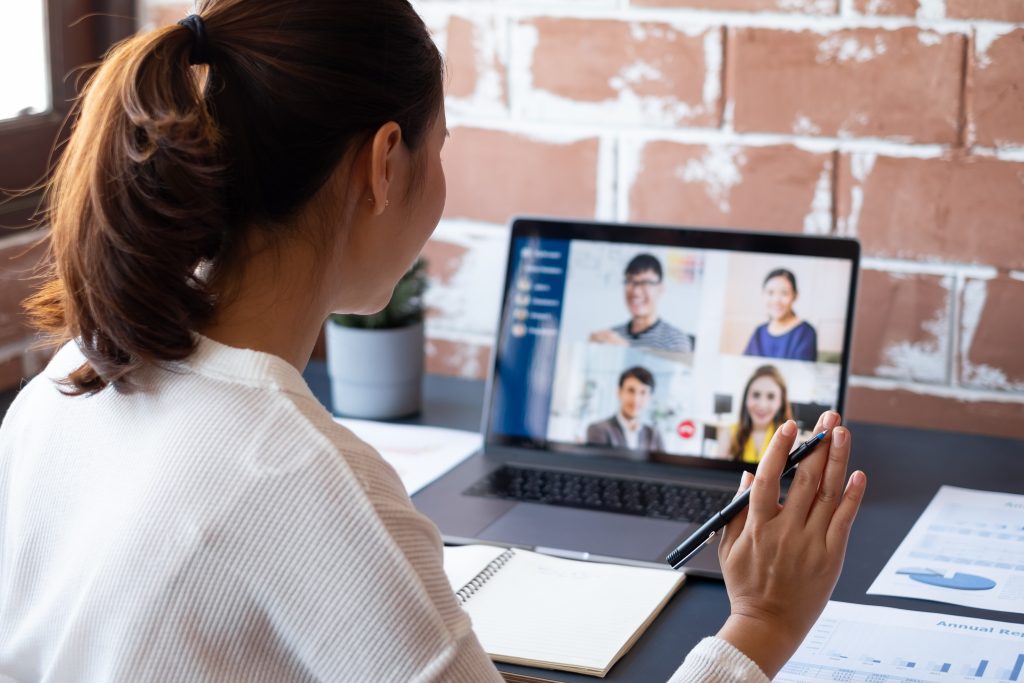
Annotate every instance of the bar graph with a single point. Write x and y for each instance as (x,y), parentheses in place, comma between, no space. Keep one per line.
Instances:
(1015,673)
(875,672)
(866,644)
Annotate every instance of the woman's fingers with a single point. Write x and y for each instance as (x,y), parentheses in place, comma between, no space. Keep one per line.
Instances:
(765,491)
(804,489)
(733,529)
(830,489)
(839,527)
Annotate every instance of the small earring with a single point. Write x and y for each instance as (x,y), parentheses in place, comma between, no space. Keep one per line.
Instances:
(387,203)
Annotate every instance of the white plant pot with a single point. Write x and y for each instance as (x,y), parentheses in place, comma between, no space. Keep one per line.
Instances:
(375,373)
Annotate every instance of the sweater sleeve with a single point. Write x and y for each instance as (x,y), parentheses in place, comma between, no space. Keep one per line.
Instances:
(717,661)
(420,543)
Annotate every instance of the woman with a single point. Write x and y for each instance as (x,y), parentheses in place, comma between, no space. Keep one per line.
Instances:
(764,408)
(785,335)
(174,502)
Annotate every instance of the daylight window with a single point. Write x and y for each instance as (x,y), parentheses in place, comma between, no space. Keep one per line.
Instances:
(26,89)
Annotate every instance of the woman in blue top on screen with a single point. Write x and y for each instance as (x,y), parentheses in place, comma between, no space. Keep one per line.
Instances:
(785,335)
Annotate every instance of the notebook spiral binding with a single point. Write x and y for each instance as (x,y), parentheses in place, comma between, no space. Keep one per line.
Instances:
(485,575)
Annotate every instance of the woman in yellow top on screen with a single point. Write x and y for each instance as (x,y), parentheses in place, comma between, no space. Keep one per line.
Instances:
(765,406)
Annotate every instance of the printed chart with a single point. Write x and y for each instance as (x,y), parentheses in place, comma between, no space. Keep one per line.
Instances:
(862,643)
(967,548)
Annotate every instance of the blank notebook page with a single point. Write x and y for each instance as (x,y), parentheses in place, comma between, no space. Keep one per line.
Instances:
(549,611)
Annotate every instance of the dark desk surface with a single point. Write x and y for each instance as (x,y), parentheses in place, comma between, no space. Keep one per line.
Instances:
(905,468)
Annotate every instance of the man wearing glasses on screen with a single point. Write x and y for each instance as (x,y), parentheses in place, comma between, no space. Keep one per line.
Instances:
(643,288)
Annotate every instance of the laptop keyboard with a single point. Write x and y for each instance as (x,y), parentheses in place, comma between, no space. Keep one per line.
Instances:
(596,492)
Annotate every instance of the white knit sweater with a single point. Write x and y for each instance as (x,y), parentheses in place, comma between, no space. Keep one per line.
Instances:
(220,526)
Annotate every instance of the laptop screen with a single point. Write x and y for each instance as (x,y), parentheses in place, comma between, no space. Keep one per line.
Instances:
(675,345)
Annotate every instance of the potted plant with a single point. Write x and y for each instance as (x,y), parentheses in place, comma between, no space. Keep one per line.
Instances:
(375,362)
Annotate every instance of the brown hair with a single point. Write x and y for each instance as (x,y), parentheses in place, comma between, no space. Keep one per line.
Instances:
(781,272)
(746,426)
(170,165)
(640,374)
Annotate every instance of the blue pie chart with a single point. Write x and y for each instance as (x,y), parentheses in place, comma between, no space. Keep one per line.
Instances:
(958,581)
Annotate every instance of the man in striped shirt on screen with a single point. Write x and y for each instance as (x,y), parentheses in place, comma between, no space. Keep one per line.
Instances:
(644,286)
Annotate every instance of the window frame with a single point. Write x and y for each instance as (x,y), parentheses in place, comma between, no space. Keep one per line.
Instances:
(79,32)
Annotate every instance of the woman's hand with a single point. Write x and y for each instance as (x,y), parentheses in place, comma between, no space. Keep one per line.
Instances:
(781,562)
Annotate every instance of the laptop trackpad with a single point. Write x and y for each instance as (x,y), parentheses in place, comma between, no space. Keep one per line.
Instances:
(598,533)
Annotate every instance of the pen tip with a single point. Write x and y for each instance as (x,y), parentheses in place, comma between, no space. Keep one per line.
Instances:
(820,436)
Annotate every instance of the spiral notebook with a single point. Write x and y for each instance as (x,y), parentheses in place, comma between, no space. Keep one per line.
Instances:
(553,613)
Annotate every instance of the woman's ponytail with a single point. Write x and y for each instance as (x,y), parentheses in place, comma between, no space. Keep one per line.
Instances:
(135,206)
(172,166)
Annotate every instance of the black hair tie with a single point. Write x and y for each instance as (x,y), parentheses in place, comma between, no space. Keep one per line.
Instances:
(199,54)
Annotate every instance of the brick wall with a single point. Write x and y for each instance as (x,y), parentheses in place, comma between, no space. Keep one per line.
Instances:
(900,122)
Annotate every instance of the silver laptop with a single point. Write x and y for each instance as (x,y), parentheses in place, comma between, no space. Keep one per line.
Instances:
(637,371)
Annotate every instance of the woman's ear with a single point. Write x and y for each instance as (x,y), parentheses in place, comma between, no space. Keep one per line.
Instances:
(385,152)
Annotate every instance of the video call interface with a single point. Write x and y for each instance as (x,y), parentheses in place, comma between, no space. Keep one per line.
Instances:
(630,349)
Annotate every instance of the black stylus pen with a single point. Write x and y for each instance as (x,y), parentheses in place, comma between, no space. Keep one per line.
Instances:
(707,531)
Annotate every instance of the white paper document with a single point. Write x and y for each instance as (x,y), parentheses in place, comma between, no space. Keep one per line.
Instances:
(966,548)
(863,643)
(419,454)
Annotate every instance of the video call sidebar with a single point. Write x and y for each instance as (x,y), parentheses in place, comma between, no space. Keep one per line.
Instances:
(526,368)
